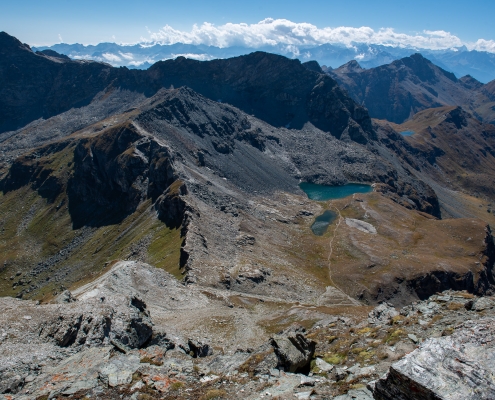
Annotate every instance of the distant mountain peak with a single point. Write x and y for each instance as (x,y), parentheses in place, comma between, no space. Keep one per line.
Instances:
(351,66)
(313,66)
(470,83)
(398,90)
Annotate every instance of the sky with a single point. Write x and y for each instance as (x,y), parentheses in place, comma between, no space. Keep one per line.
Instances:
(224,22)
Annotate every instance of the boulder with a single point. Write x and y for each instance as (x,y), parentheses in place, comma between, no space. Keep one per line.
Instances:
(293,350)
(324,366)
(119,370)
(456,367)
(65,297)
(483,303)
(199,349)
(382,314)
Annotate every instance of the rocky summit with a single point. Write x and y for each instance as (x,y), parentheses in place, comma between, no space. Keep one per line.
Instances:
(155,241)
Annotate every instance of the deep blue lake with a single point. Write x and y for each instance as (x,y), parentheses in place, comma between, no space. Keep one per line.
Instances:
(323,193)
(322,222)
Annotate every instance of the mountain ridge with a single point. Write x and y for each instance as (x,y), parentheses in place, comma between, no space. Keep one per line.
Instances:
(397,91)
(460,60)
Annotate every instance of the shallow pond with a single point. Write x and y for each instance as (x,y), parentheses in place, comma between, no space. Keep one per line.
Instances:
(322,222)
(323,192)
(407,133)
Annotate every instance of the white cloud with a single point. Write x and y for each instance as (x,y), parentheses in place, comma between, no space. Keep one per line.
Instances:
(139,63)
(483,45)
(111,57)
(200,57)
(84,57)
(126,56)
(292,36)
(60,38)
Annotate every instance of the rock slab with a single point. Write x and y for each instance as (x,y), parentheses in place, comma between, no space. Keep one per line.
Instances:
(460,366)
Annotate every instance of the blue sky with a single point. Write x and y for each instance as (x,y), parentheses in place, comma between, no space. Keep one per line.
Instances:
(45,22)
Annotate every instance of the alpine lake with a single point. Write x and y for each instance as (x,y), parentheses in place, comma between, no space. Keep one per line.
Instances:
(324,193)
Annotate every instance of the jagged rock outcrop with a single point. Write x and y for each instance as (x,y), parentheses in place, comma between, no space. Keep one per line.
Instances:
(382,314)
(455,367)
(97,323)
(171,206)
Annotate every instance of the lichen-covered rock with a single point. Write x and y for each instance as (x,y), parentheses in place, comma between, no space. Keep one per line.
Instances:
(382,314)
(456,367)
(482,303)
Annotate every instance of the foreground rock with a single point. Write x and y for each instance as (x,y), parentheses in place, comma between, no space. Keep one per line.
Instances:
(64,350)
(293,350)
(457,367)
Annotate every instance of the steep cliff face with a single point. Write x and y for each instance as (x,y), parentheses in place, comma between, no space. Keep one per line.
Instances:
(106,177)
(114,172)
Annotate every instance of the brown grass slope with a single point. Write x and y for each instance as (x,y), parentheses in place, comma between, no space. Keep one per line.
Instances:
(454,149)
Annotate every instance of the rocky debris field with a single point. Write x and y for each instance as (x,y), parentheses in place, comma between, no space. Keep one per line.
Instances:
(109,340)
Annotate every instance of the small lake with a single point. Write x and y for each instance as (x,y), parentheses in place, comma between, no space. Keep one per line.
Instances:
(322,222)
(407,133)
(323,192)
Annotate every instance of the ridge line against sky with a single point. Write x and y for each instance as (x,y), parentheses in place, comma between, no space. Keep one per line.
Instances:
(273,32)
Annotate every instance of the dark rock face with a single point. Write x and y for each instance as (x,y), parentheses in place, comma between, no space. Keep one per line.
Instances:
(280,91)
(275,89)
(455,367)
(199,349)
(487,280)
(105,170)
(59,83)
(398,90)
(114,172)
(171,206)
